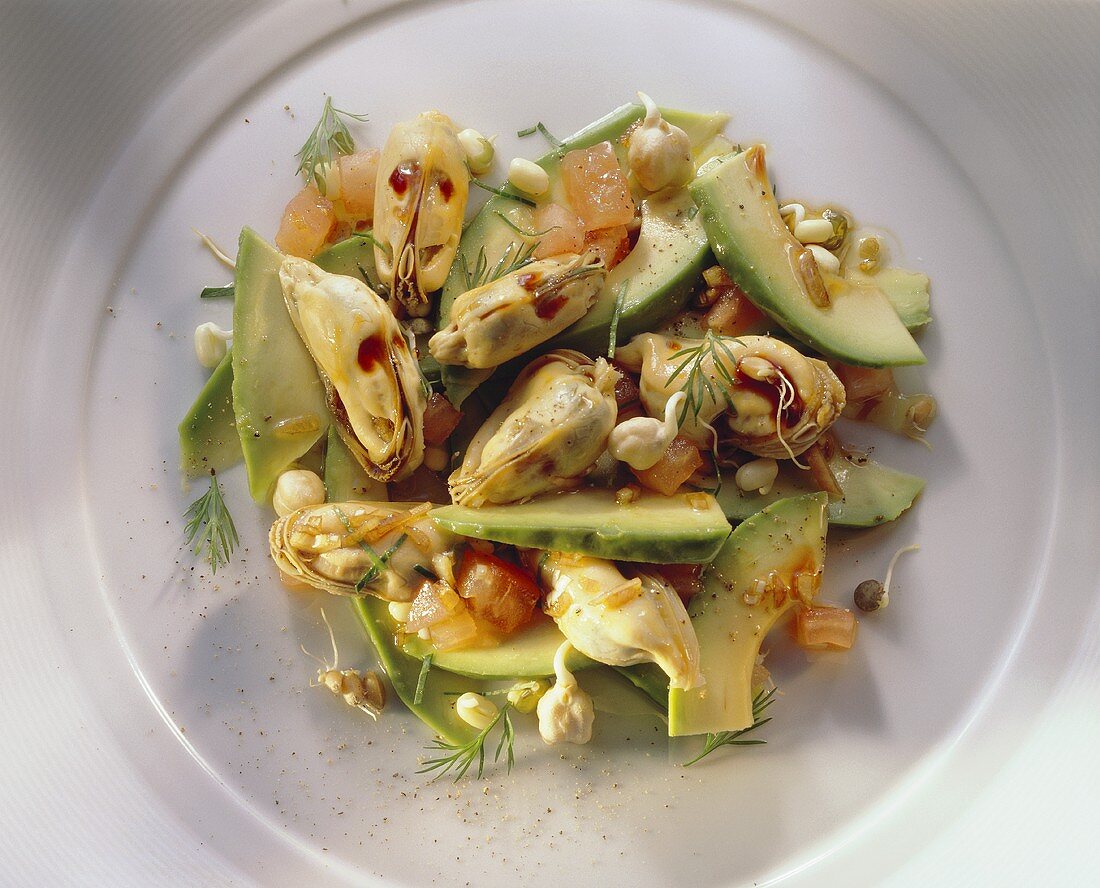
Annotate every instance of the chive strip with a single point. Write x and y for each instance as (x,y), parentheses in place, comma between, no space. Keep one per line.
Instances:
(218,292)
(425,666)
(619,299)
(425,572)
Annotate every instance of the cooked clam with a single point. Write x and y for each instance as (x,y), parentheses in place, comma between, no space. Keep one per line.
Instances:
(620,621)
(511,315)
(776,401)
(419,204)
(358,548)
(546,434)
(370,373)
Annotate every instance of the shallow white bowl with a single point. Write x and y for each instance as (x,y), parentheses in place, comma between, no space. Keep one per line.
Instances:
(166,721)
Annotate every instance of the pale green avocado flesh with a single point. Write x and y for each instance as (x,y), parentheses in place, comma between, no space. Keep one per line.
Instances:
(680,529)
(344,479)
(278,400)
(528,653)
(208,433)
(784,541)
(663,266)
(752,243)
(873,493)
(354,257)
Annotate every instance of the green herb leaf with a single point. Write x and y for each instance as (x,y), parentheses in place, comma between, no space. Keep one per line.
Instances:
(425,572)
(462,755)
(500,192)
(760,702)
(210,526)
(697,385)
(218,292)
(379,562)
(425,667)
(540,128)
(520,231)
(514,257)
(613,333)
(329,139)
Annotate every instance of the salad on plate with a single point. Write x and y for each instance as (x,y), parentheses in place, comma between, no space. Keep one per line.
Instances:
(573,453)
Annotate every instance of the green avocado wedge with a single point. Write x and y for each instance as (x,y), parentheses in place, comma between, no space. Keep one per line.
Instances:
(354,257)
(526,654)
(441,688)
(783,542)
(674,246)
(208,433)
(278,399)
(658,276)
(687,528)
(850,321)
(873,493)
(906,290)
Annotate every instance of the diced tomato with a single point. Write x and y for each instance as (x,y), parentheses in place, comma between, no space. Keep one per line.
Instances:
(596,187)
(612,245)
(732,314)
(497,591)
(445,616)
(824,628)
(307,221)
(358,174)
(440,419)
(686,579)
(676,465)
(564,231)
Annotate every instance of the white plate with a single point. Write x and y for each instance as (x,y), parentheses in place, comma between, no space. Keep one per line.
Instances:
(160,725)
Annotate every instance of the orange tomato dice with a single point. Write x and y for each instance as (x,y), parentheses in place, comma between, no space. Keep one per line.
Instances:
(676,465)
(497,591)
(596,186)
(564,231)
(358,173)
(821,628)
(612,245)
(307,222)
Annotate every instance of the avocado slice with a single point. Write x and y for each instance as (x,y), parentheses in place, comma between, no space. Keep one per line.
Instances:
(674,246)
(873,493)
(344,479)
(278,399)
(353,256)
(208,435)
(659,275)
(858,325)
(784,540)
(526,654)
(687,528)
(906,290)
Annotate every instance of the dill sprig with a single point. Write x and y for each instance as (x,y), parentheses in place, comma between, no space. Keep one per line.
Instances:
(329,139)
(760,703)
(514,257)
(460,756)
(521,232)
(500,192)
(210,526)
(697,385)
